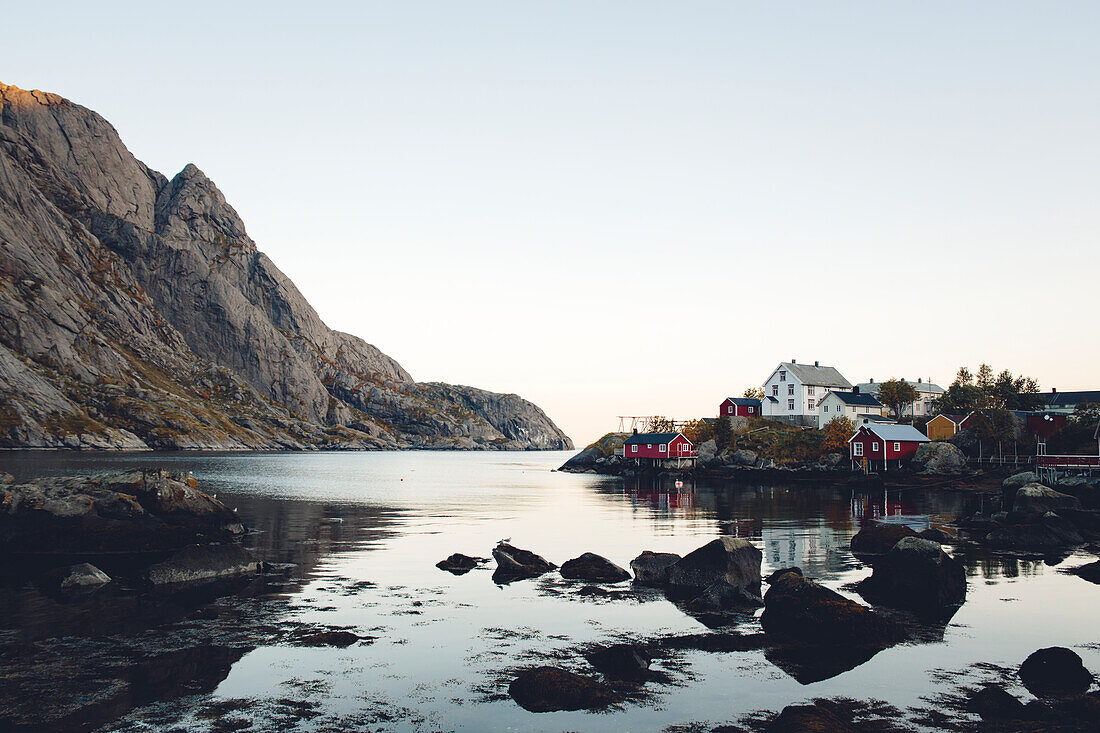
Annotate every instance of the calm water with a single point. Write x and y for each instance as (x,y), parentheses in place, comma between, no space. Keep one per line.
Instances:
(443,641)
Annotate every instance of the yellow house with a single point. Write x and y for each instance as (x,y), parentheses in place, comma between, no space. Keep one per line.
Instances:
(942,427)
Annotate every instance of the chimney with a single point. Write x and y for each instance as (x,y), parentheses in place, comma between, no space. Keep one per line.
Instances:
(855,390)
(872,380)
(635,431)
(793,361)
(817,363)
(1054,390)
(918,380)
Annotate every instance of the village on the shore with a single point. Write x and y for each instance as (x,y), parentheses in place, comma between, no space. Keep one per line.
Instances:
(809,416)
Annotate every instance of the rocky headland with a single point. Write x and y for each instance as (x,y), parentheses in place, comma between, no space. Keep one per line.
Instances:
(136,313)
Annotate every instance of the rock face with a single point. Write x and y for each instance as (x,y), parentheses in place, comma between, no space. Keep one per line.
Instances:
(878,539)
(593,568)
(202,564)
(516,564)
(1055,671)
(797,608)
(916,574)
(937,457)
(1038,499)
(652,568)
(130,512)
(545,689)
(83,577)
(137,313)
(1017,480)
(728,560)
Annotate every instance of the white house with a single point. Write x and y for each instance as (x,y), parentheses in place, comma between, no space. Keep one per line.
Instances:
(793,391)
(856,406)
(922,406)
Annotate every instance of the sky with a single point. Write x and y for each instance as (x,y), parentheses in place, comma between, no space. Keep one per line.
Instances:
(635,207)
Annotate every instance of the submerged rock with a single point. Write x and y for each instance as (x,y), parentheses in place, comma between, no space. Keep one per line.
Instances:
(628,662)
(460,564)
(993,703)
(800,609)
(721,597)
(1045,533)
(593,568)
(809,719)
(342,639)
(514,563)
(652,568)
(729,560)
(1055,671)
(916,574)
(1090,572)
(545,689)
(878,539)
(203,563)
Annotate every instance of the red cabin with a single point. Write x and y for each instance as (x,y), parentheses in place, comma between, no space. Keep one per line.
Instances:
(658,445)
(878,445)
(739,407)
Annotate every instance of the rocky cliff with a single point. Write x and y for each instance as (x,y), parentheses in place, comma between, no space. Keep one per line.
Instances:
(136,312)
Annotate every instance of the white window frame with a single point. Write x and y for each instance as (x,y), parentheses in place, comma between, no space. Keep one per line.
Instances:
(775,390)
(649,446)
(810,389)
(857,449)
(782,376)
(874,447)
(810,405)
(729,410)
(790,405)
(634,448)
(750,410)
(897,447)
(663,448)
(790,389)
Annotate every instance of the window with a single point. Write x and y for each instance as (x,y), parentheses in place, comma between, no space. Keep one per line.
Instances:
(729,410)
(790,405)
(650,445)
(790,389)
(809,390)
(634,448)
(809,404)
(874,447)
(664,448)
(897,447)
(857,449)
(782,376)
(750,410)
(775,390)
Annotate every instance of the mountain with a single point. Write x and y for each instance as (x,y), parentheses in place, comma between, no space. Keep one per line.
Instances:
(136,312)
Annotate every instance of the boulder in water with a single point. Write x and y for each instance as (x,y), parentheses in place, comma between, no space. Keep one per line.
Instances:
(800,609)
(629,662)
(1034,498)
(878,539)
(729,560)
(652,568)
(545,689)
(460,564)
(1055,671)
(916,574)
(514,563)
(202,564)
(593,568)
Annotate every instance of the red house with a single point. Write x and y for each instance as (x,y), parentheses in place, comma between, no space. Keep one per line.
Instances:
(877,445)
(658,445)
(739,407)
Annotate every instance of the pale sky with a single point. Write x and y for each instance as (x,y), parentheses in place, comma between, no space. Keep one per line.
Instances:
(633,207)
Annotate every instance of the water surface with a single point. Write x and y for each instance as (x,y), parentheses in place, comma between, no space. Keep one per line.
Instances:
(444,643)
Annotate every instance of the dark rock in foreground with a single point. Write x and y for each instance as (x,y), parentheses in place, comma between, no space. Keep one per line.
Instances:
(1090,572)
(81,578)
(545,689)
(341,639)
(514,563)
(1038,499)
(728,560)
(460,564)
(916,574)
(800,609)
(593,568)
(721,597)
(1055,671)
(202,564)
(1045,533)
(138,511)
(994,703)
(627,662)
(878,539)
(652,568)
(809,719)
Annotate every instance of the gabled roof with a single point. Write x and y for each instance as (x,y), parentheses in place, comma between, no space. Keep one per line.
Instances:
(743,401)
(922,386)
(1070,399)
(655,438)
(906,433)
(872,417)
(817,376)
(855,399)
(957,419)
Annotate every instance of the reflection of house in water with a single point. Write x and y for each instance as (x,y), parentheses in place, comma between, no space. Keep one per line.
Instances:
(820,550)
(883,508)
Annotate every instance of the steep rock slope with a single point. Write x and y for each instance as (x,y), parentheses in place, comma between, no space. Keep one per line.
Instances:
(135,311)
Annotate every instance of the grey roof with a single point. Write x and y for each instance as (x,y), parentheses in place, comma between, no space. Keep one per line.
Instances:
(856,399)
(1071,399)
(875,418)
(744,401)
(818,376)
(655,438)
(925,387)
(897,432)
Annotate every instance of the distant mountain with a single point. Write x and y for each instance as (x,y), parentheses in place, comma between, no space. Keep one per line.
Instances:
(135,312)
